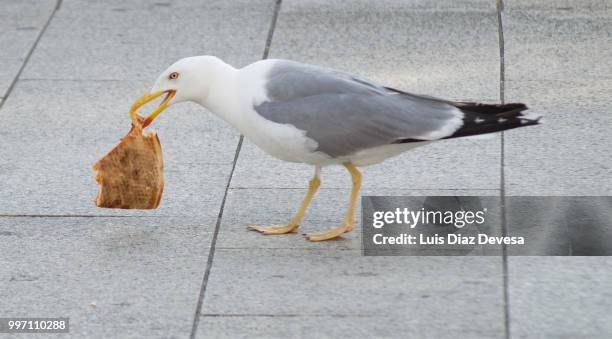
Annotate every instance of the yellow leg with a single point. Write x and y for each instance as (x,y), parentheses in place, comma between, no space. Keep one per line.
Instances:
(349,219)
(293,225)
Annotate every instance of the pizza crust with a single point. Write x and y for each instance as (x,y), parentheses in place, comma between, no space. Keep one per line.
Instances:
(131,174)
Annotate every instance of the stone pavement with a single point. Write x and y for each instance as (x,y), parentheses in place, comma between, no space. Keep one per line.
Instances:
(70,69)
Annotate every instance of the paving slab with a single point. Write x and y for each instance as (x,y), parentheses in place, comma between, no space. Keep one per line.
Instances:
(555,56)
(395,5)
(295,285)
(20,24)
(138,39)
(590,7)
(560,297)
(60,128)
(436,49)
(113,277)
(567,154)
(563,41)
(383,326)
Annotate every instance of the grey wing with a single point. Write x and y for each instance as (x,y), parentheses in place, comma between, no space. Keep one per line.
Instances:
(289,80)
(344,114)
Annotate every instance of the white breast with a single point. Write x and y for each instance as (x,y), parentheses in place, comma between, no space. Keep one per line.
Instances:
(282,141)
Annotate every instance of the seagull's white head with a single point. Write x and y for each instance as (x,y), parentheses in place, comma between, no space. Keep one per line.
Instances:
(188,79)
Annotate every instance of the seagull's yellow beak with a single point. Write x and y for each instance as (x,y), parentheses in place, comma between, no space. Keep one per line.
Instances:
(149,97)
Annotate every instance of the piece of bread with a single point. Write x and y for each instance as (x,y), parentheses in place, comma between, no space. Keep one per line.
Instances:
(131,174)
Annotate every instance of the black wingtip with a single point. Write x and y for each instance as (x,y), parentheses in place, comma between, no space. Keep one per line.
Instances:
(501,110)
(489,118)
(486,118)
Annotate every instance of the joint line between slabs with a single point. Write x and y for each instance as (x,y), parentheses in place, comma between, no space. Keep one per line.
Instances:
(211,253)
(502,183)
(29,55)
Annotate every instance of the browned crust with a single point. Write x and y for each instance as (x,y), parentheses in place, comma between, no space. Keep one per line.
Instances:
(131,174)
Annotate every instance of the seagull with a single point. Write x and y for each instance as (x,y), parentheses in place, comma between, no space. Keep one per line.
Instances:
(318,116)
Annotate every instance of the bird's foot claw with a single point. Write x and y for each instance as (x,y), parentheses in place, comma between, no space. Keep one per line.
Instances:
(274,229)
(336,232)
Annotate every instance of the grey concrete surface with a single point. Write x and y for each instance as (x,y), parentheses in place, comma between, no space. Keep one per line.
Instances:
(301,284)
(85,41)
(550,295)
(113,277)
(162,273)
(556,61)
(314,326)
(20,23)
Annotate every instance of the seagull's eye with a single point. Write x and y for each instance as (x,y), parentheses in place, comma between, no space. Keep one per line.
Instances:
(173,75)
